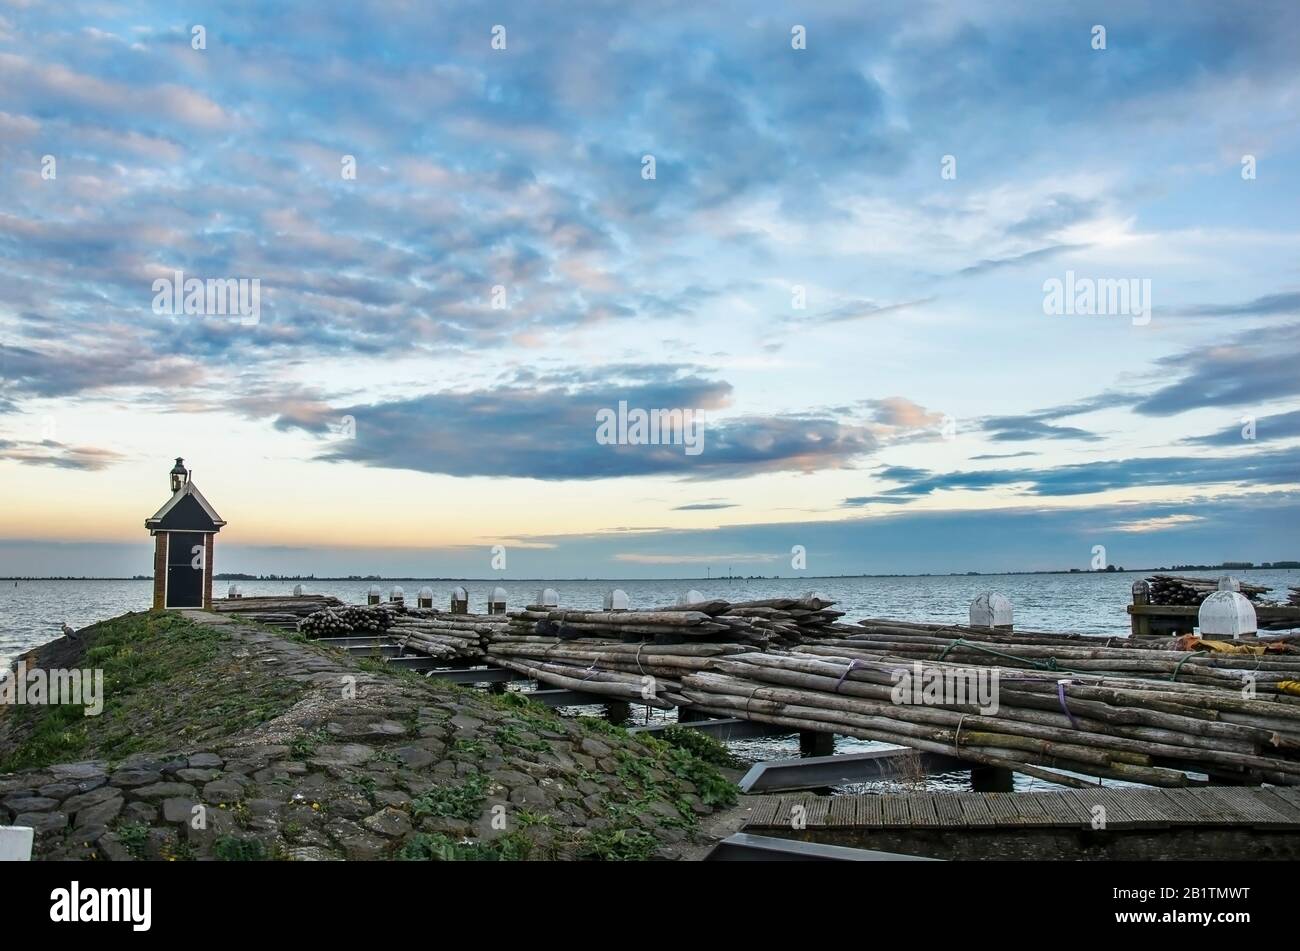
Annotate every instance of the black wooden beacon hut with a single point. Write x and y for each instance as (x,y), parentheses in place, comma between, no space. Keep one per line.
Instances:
(183,530)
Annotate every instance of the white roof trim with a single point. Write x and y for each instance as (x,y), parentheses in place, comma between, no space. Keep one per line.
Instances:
(189,488)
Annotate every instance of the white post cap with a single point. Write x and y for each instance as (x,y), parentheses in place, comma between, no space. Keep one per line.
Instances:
(1226,614)
(990,610)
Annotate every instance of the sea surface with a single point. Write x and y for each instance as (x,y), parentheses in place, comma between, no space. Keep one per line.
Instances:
(33,612)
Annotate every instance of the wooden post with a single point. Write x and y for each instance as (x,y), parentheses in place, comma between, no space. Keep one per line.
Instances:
(159,571)
(816,743)
(618,712)
(992,779)
(208,570)
(1140,625)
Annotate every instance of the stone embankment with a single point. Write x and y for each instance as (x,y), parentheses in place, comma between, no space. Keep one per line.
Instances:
(221,739)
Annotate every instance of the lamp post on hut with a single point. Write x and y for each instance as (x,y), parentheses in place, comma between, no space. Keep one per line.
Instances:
(183,530)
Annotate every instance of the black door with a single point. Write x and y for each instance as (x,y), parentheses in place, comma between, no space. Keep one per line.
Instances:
(184,581)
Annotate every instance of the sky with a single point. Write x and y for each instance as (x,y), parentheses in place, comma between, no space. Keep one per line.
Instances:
(941,286)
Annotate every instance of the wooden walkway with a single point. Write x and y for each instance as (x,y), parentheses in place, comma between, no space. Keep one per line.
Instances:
(1272,809)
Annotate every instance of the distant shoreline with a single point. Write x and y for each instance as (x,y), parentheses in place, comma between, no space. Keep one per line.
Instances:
(1284,566)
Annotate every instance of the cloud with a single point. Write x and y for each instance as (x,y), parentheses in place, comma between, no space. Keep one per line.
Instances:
(704,506)
(547,430)
(57,455)
(1247,369)
(862,309)
(1159,523)
(1270,305)
(1274,427)
(1025,428)
(1280,467)
(858,501)
(901,412)
(729,558)
(1035,425)
(1015,260)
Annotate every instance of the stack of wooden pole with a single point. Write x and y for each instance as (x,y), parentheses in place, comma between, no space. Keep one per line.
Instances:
(639,673)
(776,622)
(1180,590)
(282,612)
(461,637)
(1119,728)
(348,621)
(661,625)
(1261,667)
(786,621)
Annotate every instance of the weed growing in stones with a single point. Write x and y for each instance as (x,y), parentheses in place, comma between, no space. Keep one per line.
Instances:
(133,836)
(618,845)
(508,737)
(231,848)
(436,847)
(462,801)
(702,746)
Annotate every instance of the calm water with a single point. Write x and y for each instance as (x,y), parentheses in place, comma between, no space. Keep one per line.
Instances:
(32,612)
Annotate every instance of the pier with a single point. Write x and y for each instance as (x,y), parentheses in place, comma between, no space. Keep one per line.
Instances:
(1103,823)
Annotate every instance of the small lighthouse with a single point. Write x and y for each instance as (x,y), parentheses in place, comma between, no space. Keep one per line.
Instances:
(183,531)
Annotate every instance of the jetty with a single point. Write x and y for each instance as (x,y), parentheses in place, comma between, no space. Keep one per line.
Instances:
(1104,823)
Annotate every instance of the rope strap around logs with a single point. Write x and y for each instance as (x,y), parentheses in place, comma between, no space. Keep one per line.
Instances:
(1060,695)
(847,670)
(1174,676)
(1048,664)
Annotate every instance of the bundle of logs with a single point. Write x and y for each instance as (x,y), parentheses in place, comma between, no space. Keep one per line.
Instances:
(775,622)
(345,621)
(282,612)
(459,637)
(647,672)
(1176,589)
(452,637)
(1264,665)
(1036,722)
